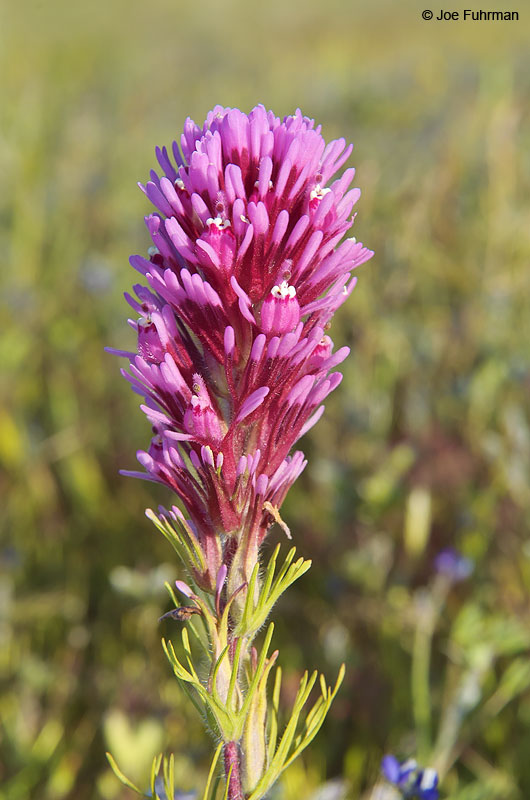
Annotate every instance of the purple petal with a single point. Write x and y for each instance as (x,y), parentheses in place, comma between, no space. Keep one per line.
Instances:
(183,588)
(221,577)
(390,768)
(252,402)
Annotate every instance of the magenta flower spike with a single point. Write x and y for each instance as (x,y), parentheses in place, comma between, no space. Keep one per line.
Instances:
(234,362)
(233,357)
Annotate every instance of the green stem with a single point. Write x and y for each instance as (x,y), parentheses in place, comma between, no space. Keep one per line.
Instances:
(428,613)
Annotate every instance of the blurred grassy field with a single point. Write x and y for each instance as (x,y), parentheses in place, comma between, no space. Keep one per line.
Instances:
(426,443)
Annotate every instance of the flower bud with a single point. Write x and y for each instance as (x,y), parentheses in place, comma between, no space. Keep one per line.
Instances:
(200,418)
(280,312)
(149,345)
(321,352)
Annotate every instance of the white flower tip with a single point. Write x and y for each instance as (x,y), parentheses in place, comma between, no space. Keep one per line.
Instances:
(283,291)
(318,192)
(219,223)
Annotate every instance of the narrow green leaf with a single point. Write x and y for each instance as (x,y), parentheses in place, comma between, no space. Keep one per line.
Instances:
(255,680)
(184,685)
(172,775)
(171,536)
(169,776)
(189,658)
(283,569)
(213,765)
(180,671)
(317,722)
(121,777)
(187,543)
(223,627)
(208,619)
(191,622)
(215,673)
(165,775)
(235,672)
(215,786)
(271,568)
(172,594)
(314,711)
(248,611)
(154,772)
(195,545)
(225,796)
(269,594)
(273,712)
(296,571)
(278,762)
(201,639)
(225,722)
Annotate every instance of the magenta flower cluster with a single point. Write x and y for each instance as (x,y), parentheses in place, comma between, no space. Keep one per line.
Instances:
(234,359)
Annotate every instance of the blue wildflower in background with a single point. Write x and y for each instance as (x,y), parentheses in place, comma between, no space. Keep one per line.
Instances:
(411,781)
(453,565)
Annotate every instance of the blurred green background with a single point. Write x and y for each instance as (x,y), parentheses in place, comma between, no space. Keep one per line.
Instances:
(425,444)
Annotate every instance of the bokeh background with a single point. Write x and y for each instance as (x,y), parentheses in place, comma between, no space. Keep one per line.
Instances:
(426,443)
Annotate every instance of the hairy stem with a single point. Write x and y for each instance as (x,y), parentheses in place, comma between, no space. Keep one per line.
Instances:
(232,769)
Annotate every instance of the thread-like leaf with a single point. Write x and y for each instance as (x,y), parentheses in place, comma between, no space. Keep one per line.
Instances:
(271,568)
(208,620)
(188,543)
(215,786)
(244,625)
(271,590)
(225,796)
(283,569)
(180,671)
(200,639)
(121,777)
(317,724)
(187,649)
(235,671)
(155,766)
(291,575)
(169,775)
(191,622)
(213,765)
(278,762)
(172,594)
(189,693)
(254,742)
(273,714)
(215,673)
(255,680)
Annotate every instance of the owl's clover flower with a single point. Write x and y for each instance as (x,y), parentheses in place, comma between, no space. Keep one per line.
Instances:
(234,361)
